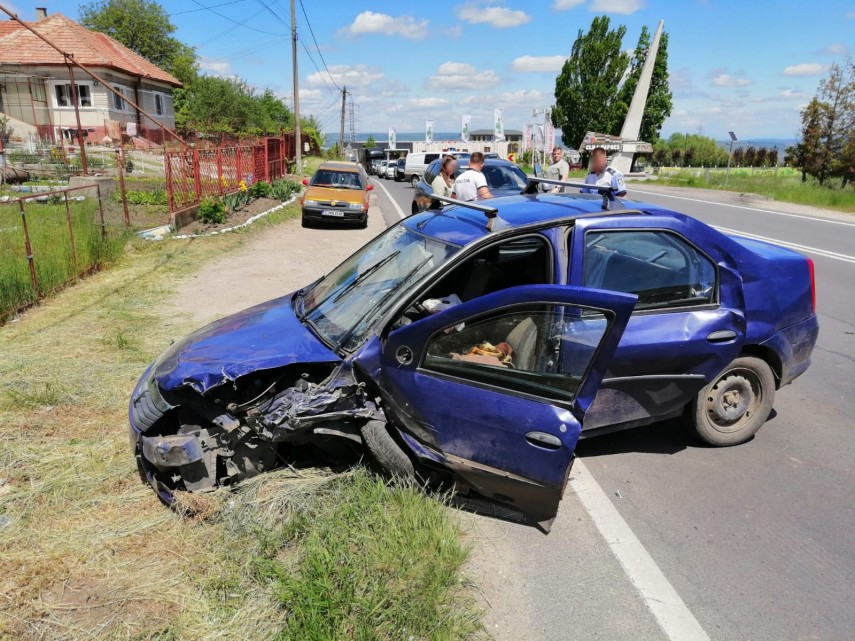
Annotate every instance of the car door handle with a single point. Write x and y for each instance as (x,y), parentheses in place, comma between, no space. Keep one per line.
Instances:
(542,439)
(721,336)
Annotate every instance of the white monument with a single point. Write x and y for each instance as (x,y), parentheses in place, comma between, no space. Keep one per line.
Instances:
(622,161)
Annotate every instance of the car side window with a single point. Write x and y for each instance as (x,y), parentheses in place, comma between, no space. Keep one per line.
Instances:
(431,172)
(541,350)
(663,269)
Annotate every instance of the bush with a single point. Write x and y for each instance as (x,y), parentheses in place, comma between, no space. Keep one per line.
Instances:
(260,189)
(212,211)
(284,189)
(139,197)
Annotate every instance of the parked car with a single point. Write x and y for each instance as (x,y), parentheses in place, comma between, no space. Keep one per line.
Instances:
(390,169)
(381,168)
(491,154)
(418,162)
(477,346)
(504,178)
(400,165)
(338,191)
(375,166)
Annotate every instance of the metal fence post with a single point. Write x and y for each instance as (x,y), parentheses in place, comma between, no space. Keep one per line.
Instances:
(29,249)
(170,188)
(101,213)
(71,234)
(197,175)
(120,172)
(267,159)
(238,164)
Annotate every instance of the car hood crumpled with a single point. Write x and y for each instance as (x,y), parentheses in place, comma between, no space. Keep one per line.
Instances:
(266,336)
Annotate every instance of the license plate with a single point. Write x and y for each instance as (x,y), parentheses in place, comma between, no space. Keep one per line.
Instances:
(332,212)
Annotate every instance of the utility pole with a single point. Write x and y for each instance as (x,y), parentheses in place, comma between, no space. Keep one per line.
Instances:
(298,142)
(341,128)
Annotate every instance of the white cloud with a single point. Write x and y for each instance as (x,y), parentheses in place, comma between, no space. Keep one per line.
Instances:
(726,80)
(850,15)
(217,67)
(369,22)
(566,5)
(538,63)
(527,97)
(426,103)
(836,50)
(310,94)
(356,76)
(805,69)
(454,32)
(460,76)
(495,16)
(623,7)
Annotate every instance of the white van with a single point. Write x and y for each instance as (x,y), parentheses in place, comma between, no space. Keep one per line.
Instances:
(416,164)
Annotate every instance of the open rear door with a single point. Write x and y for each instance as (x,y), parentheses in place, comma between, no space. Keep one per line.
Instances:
(496,388)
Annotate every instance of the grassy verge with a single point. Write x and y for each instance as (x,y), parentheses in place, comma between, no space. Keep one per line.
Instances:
(57,260)
(787,188)
(87,552)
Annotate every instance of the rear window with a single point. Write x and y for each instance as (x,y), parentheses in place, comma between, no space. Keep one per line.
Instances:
(429,158)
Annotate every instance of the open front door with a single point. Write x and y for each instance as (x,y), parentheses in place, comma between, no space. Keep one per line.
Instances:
(496,388)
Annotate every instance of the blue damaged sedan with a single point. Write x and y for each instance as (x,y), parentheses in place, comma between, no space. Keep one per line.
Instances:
(477,343)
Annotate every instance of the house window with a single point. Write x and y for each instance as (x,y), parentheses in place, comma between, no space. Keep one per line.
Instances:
(158,104)
(64,94)
(118,103)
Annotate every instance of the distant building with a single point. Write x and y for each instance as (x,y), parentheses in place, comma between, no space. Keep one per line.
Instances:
(35,89)
(486,135)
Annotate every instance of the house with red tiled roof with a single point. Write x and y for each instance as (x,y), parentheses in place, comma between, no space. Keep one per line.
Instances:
(36,93)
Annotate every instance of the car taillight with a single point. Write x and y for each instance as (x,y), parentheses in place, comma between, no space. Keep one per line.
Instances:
(812,285)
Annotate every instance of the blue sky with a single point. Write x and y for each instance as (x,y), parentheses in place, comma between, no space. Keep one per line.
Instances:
(735,64)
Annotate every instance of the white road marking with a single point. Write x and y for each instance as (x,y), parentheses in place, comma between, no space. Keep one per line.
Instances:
(764,211)
(802,248)
(669,610)
(394,202)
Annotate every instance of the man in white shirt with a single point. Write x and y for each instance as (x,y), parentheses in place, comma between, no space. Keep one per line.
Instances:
(471,184)
(558,170)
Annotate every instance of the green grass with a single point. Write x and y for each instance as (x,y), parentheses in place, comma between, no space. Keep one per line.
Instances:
(786,187)
(57,261)
(90,553)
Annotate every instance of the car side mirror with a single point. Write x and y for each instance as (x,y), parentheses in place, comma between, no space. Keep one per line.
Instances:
(369,188)
(305,182)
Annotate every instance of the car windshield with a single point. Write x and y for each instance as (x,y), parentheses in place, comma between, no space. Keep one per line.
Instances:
(337,179)
(344,305)
(502,177)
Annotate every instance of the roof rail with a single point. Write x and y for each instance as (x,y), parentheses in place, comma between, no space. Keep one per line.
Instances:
(607,192)
(490,212)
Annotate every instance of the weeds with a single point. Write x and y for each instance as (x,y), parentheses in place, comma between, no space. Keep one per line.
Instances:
(212,211)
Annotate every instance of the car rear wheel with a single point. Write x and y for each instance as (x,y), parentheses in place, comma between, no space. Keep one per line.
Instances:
(735,405)
(414,181)
(386,450)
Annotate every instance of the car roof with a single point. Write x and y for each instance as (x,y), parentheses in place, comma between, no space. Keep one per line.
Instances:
(339,165)
(462,225)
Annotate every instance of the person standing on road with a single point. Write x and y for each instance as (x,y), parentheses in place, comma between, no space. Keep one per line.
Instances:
(471,184)
(604,175)
(558,170)
(443,184)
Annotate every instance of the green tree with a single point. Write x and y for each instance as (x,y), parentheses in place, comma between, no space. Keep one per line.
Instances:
(659,98)
(837,92)
(587,87)
(144,28)
(808,155)
(370,143)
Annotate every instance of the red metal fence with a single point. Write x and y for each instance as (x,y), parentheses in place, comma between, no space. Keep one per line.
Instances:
(194,174)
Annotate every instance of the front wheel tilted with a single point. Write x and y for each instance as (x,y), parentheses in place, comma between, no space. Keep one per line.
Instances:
(735,405)
(386,450)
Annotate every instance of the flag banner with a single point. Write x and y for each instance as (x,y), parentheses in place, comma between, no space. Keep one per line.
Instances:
(550,133)
(466,123)
(428,131)
(498,126)
(527,137)
(393,138)
(538,137)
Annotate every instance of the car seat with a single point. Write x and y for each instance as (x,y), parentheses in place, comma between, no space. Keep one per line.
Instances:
(523,340)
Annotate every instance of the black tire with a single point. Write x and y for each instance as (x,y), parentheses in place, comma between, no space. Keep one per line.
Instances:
(386,451)
(735,405)
(364,223)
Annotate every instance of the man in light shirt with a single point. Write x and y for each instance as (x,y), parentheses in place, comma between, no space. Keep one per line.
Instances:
(558,170)
(603,175)
(471,184)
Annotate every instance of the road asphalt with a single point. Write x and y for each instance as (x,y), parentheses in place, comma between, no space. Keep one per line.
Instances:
(757,540)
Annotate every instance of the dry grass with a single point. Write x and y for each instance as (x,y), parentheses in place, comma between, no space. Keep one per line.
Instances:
(86,550)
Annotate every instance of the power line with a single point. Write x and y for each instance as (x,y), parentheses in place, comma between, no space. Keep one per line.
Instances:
(317,46)
(320,73)
(273,13)
(239,24)
(213,6)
